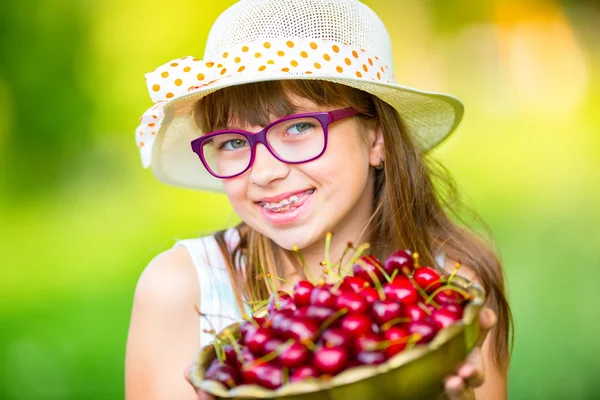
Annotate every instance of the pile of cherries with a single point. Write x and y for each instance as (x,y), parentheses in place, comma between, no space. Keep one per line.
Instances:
(322,329)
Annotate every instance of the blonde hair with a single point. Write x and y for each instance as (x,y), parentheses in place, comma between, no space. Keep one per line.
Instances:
(416,201)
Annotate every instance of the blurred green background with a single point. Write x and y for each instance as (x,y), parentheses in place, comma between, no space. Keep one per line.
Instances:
(79,218)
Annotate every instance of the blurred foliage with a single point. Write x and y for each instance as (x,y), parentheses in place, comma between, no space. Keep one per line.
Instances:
(80,219)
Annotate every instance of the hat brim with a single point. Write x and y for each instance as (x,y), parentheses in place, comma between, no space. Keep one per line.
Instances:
(429,117)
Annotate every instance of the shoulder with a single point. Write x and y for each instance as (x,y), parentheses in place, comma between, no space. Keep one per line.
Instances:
(170,278)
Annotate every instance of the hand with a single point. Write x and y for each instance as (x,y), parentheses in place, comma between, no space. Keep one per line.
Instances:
(471,373)
(201,395)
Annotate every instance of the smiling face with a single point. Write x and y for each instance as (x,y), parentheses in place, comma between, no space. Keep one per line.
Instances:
(297,204)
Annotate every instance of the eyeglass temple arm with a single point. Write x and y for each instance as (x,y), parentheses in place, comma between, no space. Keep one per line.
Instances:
(341,114)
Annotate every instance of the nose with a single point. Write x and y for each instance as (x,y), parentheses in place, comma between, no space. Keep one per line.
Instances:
(266,168)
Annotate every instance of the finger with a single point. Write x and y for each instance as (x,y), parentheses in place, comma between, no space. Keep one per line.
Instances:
(473,371)
(455,388)
(487,320)
(204,396)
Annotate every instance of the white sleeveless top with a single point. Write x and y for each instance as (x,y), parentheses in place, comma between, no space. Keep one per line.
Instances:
(217,300)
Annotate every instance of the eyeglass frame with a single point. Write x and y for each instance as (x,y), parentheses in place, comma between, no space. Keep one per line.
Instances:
(326,118)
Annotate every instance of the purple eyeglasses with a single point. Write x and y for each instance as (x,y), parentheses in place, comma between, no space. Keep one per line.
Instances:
(294,139)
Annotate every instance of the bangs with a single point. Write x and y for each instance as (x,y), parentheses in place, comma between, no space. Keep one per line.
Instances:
(255,104)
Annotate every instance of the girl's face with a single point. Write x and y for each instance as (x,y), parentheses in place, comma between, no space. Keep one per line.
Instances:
(333,193)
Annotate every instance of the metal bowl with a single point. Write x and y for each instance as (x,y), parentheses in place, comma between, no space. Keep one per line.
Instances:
(417,373)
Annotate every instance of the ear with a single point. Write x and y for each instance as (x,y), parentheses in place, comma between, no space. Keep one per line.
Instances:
(377,149)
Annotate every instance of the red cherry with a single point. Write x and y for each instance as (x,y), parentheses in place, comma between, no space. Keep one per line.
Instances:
(224,373)
(304,372)
(351,301)
(426,329)
(230,355)
(386,310)
(319,314)
(396,337)
(353,284)
(302,330)
(278,320)
(335,337)
(281,301)
(321,296)
(370,294)
(401,289)
(330,360)
(295,355)
(356,325)
(371,357)
(272,345)
(256,341)
(367,342)
(415,312)
(247,328)
(266,375)
(366,267)
(302,292)
(448,296)
(446,315)
(400,260)
(428,279)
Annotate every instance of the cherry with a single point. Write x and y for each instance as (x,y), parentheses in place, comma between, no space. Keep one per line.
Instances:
(370,294)
(428,279)
(304,372)
(302,329)
(281,301)
(353,284)
(426,329)
(368,342)
(386,310)
(322,296)
(446,315)
(367,267)
(400,260)
(256,341)
(223,373)
(371,357)
(401,289)
(396,338)
(294,355)
(266,375)
(330,360)
(272,345)
(415,312)
(278,320)
(230,355)
(448,296)
(302,292)
(356,325)
(352,301)
(334,337)
(319,314)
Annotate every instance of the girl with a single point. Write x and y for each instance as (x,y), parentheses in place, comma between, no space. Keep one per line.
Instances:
(295,114)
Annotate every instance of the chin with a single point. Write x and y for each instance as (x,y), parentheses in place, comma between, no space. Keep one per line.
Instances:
(302,237)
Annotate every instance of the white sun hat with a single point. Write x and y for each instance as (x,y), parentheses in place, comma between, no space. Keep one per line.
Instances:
(341,41)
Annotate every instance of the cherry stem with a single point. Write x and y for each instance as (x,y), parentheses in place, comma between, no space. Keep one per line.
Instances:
(327,247)
(236,346)
(311,278)
(309,344)
(374,278)
(415,256)
(339,263)
(219,350)
(272,355)
(385,275)
(286,375)
(205,315)
(245,317)
(456,268)
(445,287)
(393,275)
(422,292)
(394,321)
(354,257)
(424,307)
(331,319)
(384,344)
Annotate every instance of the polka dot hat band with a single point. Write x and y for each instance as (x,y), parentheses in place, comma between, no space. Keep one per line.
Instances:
(341,41)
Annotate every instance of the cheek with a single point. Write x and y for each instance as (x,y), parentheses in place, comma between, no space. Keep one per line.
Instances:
(236,190)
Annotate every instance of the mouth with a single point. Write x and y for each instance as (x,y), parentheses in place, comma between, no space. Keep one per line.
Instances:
(287,204)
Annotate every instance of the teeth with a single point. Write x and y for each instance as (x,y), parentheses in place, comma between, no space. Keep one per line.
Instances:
(284,204)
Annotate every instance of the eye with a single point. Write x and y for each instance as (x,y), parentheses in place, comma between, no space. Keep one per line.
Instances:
(233,144)
(300,128)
